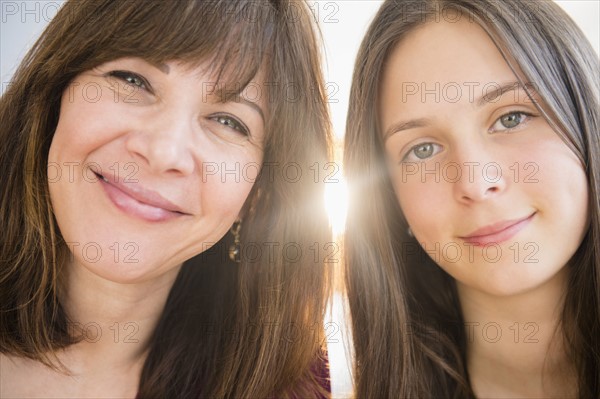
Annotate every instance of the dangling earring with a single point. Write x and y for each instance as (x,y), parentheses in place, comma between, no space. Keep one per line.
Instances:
(409,231)
(234,249)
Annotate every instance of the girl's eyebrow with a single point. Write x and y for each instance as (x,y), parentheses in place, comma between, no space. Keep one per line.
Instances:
(498,91)
(405,125)
(490,96)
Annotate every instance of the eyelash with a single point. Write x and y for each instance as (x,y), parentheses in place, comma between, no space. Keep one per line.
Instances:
(527,115)
(413,148)
(238,125)
(125,75)
(526,119)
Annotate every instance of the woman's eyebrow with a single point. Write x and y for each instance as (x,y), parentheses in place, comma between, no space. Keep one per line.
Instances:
(252,105)
(161,66)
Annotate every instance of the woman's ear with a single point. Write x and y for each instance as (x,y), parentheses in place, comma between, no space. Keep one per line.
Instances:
(251,203)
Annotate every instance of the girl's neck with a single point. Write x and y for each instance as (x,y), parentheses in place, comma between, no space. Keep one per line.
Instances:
(515,344)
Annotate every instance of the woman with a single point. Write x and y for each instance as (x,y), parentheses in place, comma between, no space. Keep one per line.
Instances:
(473,270)
(135,135)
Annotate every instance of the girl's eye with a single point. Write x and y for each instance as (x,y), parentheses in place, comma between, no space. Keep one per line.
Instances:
(131,78)
(421,152)
(231,123)
(510,121)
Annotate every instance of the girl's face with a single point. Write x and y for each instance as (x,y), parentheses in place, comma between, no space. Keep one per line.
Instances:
(147,168)
(489,190)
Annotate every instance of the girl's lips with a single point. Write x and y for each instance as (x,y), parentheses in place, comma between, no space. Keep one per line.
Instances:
(497,232)
(131,205)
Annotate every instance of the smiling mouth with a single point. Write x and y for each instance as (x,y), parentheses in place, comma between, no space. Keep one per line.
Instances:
(139,203)
(497,232)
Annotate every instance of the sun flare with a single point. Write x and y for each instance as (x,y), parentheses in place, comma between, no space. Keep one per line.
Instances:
(336,204)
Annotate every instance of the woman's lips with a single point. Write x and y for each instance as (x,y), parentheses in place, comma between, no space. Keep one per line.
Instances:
(138,202)
(497,232)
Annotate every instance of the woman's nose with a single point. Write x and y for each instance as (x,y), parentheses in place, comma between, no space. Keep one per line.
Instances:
(164,144)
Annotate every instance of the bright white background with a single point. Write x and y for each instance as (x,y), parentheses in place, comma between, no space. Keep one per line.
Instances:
(343,23)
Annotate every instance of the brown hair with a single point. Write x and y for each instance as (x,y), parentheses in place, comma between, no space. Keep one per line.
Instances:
(409,336)
(237,355)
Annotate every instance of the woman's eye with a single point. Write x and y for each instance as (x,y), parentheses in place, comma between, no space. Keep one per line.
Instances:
(510,121)
(231,123)
(132,79)
(421,152)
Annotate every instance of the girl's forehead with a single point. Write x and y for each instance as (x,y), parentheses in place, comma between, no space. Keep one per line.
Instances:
(442,52)
(441,63)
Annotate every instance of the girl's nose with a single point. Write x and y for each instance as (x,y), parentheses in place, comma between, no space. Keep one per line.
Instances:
(482,178)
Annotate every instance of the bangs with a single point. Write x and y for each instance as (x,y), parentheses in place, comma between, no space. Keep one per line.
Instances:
(230,37)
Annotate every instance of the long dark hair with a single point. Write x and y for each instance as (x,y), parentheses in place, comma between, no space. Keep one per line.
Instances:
(211,339)
(408,329)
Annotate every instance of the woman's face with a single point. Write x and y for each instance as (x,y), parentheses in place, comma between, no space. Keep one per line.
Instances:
(489,190)
(147,168)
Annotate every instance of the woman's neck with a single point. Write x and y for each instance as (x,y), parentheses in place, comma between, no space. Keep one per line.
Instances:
(115,320)
(115,323)
(515,344)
